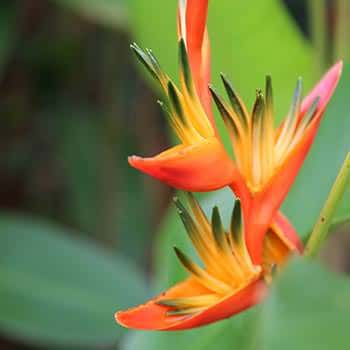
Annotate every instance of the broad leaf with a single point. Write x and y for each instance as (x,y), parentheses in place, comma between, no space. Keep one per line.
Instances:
(308,309)
(91,164)
(60,290)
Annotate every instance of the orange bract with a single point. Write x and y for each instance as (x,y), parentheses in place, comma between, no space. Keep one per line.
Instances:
(192,19)
(227,282)
(270,161)
(187,167)
(154,316)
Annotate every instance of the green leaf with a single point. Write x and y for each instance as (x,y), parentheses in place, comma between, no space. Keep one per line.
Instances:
(110,13)
(59,290)
(308,309)
(79,150)
(101,193)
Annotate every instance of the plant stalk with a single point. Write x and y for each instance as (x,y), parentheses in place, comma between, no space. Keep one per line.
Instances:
(317,10)
(342,23)
(321,228)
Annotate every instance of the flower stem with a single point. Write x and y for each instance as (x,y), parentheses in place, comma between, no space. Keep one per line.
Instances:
(319,32)
(342,47)
(321,228)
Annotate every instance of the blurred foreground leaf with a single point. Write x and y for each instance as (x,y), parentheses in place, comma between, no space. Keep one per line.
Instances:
(60,290)
(111,13)
(308,308)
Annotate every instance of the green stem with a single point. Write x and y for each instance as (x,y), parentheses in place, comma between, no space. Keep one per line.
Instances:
(318,27)
(321,229)
(342,46)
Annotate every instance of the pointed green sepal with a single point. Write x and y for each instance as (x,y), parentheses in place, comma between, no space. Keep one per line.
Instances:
(185,66)
(175,102)
(237,226)
(145,60)
(185,312)
(297,98)
(235,100)
(311,112)
(187,220)
(189,302)
(169,302)
(269,94)
(218,229)
(224,112)
(165,109)
(259,108)
(188,264)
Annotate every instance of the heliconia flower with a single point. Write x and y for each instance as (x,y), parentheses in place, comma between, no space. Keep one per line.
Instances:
(199,162)
(226,284)
(267,160)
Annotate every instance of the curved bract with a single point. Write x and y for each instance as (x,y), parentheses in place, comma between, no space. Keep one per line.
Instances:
(187,167)
(225,284)
(155,316)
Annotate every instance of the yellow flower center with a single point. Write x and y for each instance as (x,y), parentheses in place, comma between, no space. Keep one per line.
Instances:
(227,267)
(259,148)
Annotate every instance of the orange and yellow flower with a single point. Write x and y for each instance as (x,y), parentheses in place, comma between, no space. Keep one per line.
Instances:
(238,264)
(226,284)
(200,162)
(267,159)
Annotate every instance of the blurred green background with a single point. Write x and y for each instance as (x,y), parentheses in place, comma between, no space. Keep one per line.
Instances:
(79,228)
